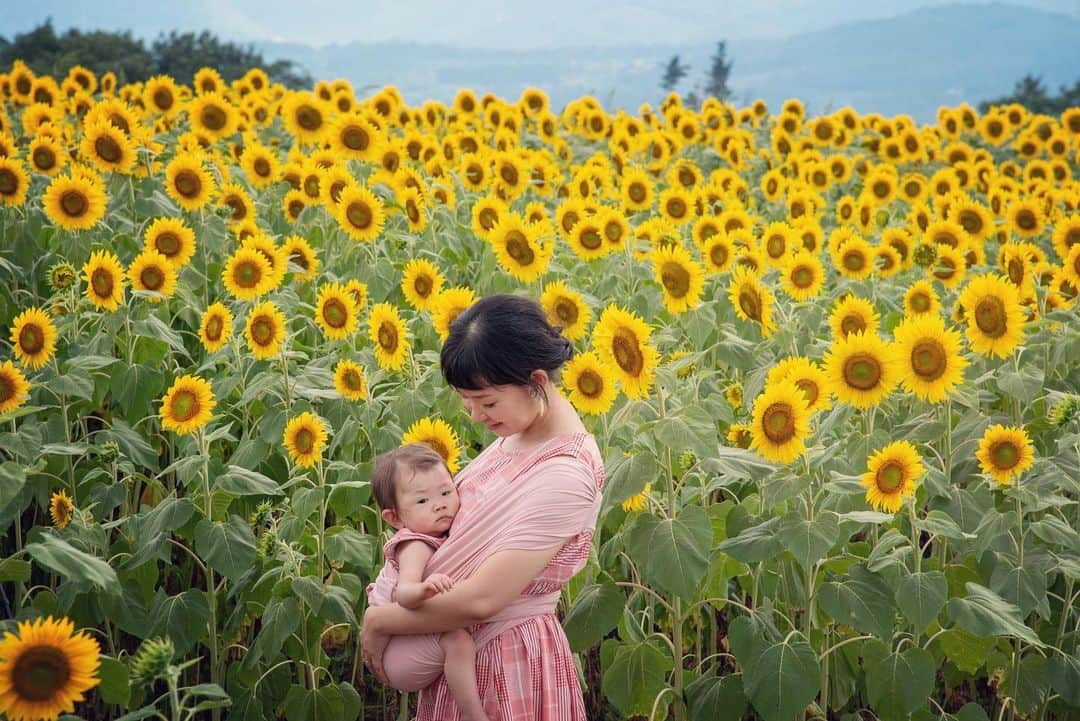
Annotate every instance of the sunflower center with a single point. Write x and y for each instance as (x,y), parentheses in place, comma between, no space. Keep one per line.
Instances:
(262,330)
(8,182)
(778,422)
(854,260)
(215,324)
(566,311)
(185,406)
(946,268)
(882,189)
(624,347)
(423,285)
(359,214)
(889,477)
(239,210)
(1016,270)
(335,313)
(31,339)
(295,206)
(676,279)
(718,254)
(810,390)
(7,388)
(971,221)
(517,246)
(261,166)
(1004,455)
(862,371)
(591,239)
(676,208)
(750,302)
(188,183)
(510,174)
(990,317)
(102,282)
(388,337)
(488,218)
(309,118)
(354,137)
(613,231)
(152,277)
(590,384)
(775,246)
(352,380)
(928,360)
(920,302)
(637,192)
(802,277)
(167,243)
(44,159)
(304,441)
(163,99)
(74,203)
(1026,220)
(247,274)
(213,117)
(39,673)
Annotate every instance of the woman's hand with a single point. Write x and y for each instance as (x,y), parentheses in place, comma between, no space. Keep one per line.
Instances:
(373,642)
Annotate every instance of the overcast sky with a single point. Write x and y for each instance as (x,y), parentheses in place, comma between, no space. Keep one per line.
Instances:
(497,24)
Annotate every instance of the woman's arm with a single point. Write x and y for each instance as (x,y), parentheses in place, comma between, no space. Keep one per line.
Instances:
(412,557)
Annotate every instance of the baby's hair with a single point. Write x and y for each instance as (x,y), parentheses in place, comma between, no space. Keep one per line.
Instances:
(411,458)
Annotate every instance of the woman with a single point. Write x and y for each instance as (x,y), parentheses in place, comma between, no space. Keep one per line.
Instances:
(529,504)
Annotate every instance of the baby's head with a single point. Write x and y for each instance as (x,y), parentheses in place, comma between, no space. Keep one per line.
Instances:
(414,489)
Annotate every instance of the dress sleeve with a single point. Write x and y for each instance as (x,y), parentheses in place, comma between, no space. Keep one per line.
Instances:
(404,535)
(562,500)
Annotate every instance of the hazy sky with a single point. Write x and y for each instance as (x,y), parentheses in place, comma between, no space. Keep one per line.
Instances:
(497,24)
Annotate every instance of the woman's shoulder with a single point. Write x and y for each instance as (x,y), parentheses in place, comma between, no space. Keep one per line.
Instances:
(567,450)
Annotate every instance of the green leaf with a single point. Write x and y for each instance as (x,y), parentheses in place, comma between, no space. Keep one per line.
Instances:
(134,387)
(717,698)
(243,482)
(808,541)
(940,524)
(228,547)
(115,687)
(14,569)
(182,618)
(595,611)
(64,559)
(1022,586)
(131,443)
(321,704)
(168,515)
(351,701)
(347,545)
(1053,530)
(153,327)
(635,676)
(88,362)
(984,613)
(1030,683)
(966,650)
(861,600)
(1023,385)
(783,679)
(76,384)
(628,476)
(12,480)
(753,544)
(1064,675)
(673,553)
(692,427)
(279,621)
(897,683)
(971,711)
(311,592)
(921,596)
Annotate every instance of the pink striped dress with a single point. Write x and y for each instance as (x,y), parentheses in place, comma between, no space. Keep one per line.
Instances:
(527,500)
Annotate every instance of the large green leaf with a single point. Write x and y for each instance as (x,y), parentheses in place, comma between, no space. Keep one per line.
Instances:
(672,553)
(62,558)
(1029,685)
(228,547)
(347,545)
(861,600)
(635,676)
(244,482)
(984,613)
(317,704)
(808,541)
(182,618)
(782,679)
(921,596)
(12,480)
(114,687)
(966,650)
(1022,586)
(717,698)
(1064,675)
(753,544)
(628,475)
(897,683)
(278,622)
(595,611)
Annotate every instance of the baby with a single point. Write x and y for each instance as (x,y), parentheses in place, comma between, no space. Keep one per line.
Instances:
(417,496)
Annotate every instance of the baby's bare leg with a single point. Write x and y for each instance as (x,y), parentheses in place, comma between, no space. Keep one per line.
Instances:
(460,672)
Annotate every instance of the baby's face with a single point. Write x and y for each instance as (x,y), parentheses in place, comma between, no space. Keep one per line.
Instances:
(428,502)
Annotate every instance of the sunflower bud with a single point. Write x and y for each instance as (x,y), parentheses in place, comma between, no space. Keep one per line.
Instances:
(1064,411)
(261,515)
(686,460)
(925,255)
(62,275)
(267,544)
(733,394)
(109,452)
(152,659)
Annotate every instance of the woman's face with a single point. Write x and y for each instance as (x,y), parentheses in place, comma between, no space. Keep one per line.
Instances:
(505,410)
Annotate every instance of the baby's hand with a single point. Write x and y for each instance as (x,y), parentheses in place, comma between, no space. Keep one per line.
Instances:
(438,583)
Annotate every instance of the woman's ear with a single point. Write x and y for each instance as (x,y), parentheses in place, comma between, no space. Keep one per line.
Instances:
(540,376)
(390,515)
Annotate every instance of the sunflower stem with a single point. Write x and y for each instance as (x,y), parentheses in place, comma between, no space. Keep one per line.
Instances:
(285,376)
(948,442)
(211,590)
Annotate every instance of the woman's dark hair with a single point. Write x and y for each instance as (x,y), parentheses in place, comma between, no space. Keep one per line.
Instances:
(501,339)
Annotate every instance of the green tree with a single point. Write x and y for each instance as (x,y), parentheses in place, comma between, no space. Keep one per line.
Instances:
(716,85)
(182,55)
(1030,92)
(673,73)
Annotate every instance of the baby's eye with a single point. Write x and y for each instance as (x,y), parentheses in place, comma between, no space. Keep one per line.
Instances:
(446,493)
(489,405)
(420,501)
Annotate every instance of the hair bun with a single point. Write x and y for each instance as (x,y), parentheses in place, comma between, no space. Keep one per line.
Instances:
(568,349)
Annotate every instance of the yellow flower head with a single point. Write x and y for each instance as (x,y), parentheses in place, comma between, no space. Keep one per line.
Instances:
(265,330)
(302,255)
(566,308)
(438,434)
(803,276)
(45,667)
(33,337)
(1005,452)
(929,357)
(637,502)
(517,248)
(590,384)
(74,202)
(449,304)
(751,299)
(188,405)
(421,283)
(216,327)
(862,369)
(621,339)
(336,312)
(14,181)
(853,315)
(247,274)
(305,439)
(188,182)
(993,314)
(890,476)
(104,280)
(387,331)
(13,387)
(349,380)
(780,423)
(360,213)
(173,238)
(152,272)
(61,508)
(921,299)
(680,277)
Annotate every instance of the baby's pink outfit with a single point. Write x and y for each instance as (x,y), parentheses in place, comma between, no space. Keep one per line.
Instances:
(410,662)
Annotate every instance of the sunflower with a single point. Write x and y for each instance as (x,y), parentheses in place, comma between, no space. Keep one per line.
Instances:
(275,255)
(517,248)
(46,156)
(1070,269)
(61,508)
(862,369)
(638,501)
(161,94)
(566,308)
(360,213)
(152,272)
(1005,452)
(928,355)
(780,423)
(188,182)
(247,274)
(107,147)
(335,311)
(590,383)
(921,299)
(212,116)
(305,116)
(104,280)
(993,314)
(14,388)
(172,238)
(621,338)
(1025,218)
(803,276)
(1066,233)
(636,190)
(33,337)
(351,136)
(949,266)
(853,315)
(216,326)
(74,202)
(587,239)
(807,376)
(421,283)
(681,278)
(265,330)
(387,331)
(751,299)
(305,439)
(14,182)
(302,255)
(677,205)
(260,164)
(437,434)
(854,259)
(718,253)
(236,199)
(45,667)
(739,435)
(188,405)
(890,476)
(349,380)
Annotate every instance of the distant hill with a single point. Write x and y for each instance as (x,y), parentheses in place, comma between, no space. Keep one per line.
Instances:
(911,63)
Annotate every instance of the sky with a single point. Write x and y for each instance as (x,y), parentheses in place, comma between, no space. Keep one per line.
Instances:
(494,24)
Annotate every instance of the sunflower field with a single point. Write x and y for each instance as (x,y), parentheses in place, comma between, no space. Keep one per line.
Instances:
(833,363)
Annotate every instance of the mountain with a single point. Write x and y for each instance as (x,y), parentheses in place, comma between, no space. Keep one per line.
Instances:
(911,63)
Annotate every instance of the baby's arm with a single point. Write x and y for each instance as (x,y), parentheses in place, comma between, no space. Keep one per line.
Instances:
(412,558)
